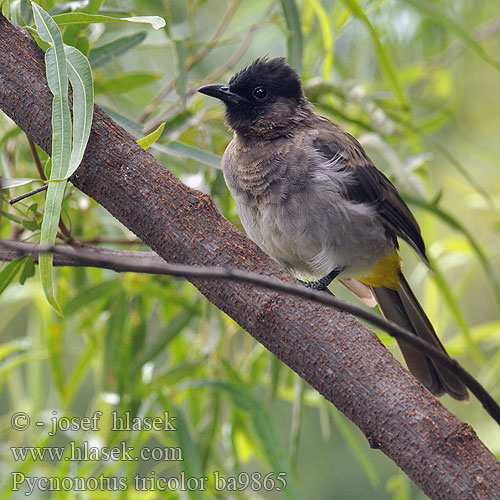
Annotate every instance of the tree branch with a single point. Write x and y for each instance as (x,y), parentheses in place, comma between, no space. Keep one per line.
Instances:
(333,352)
(151,263)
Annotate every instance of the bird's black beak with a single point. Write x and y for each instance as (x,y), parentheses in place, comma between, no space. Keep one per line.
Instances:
(221,92)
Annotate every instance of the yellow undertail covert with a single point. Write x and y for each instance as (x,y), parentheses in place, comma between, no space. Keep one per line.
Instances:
(385,273)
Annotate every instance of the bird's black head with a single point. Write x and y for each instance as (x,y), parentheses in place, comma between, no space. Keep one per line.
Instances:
(264,100)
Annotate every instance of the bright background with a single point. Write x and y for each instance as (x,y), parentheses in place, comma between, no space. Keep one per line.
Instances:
(416,81)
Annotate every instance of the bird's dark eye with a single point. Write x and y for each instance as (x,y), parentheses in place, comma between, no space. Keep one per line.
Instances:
(260,93)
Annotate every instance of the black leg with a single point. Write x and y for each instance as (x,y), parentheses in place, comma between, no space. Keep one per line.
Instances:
(322,284)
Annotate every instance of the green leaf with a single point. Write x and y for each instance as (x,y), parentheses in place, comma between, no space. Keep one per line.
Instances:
(131,126)
(80,76)
(30,225)
(384,60)
(93,6)
(86,295)
(294,50)
(173,328)
(28,270)
(12,217)
(105,53)
(126,82)
(183,150)
(21,181)
(151,138)
(441,18)
(57,78)
(9,272)
(83,45)
(156,22)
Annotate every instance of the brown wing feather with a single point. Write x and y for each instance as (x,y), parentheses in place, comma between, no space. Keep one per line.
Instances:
(372,186)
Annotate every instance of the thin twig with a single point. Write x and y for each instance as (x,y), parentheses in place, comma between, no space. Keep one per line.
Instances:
(28,194)
(150,263)
(36,159)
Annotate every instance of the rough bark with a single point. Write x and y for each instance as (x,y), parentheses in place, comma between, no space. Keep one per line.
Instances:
(334,353)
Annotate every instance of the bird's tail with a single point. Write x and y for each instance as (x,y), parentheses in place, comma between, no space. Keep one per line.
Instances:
(402,307)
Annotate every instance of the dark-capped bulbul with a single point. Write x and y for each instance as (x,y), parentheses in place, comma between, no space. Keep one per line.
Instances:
(309,195)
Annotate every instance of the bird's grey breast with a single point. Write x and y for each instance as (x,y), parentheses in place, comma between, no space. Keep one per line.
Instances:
(263,172)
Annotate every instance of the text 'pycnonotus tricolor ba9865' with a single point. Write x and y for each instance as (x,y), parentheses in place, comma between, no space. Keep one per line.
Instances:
(310,197)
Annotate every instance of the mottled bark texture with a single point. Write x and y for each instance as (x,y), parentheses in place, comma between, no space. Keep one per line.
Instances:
(334,353)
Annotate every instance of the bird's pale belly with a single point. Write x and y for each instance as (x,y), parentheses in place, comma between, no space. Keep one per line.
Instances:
(311,243)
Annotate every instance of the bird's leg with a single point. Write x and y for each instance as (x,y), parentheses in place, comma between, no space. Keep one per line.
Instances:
(322,284)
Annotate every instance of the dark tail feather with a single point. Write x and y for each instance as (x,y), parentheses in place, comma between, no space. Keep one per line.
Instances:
(402,307)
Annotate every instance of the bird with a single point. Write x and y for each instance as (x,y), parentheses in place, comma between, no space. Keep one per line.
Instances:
(308,194)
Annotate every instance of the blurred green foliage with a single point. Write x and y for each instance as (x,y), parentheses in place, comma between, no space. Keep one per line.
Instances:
(416,81)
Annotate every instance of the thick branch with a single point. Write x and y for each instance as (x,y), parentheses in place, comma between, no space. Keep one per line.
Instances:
(335,354)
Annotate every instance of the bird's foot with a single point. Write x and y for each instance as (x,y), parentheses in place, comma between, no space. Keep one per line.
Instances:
(321,285)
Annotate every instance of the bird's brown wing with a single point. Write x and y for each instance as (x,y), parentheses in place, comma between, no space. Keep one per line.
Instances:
(372,186)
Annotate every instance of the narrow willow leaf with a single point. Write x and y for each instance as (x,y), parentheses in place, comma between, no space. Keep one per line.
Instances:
(105,53)
(93,6)
(80,76)
(151,138)
(82,44)
(183,150)
(439,17)
(57,78)
(87,294)
(9,272)
(21,181)
(126,82)
(168,333)
(28,270)
(30,225)
(384,60)
(294,37)
(131,126)
(82,368)
(83,18)
(11,217)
